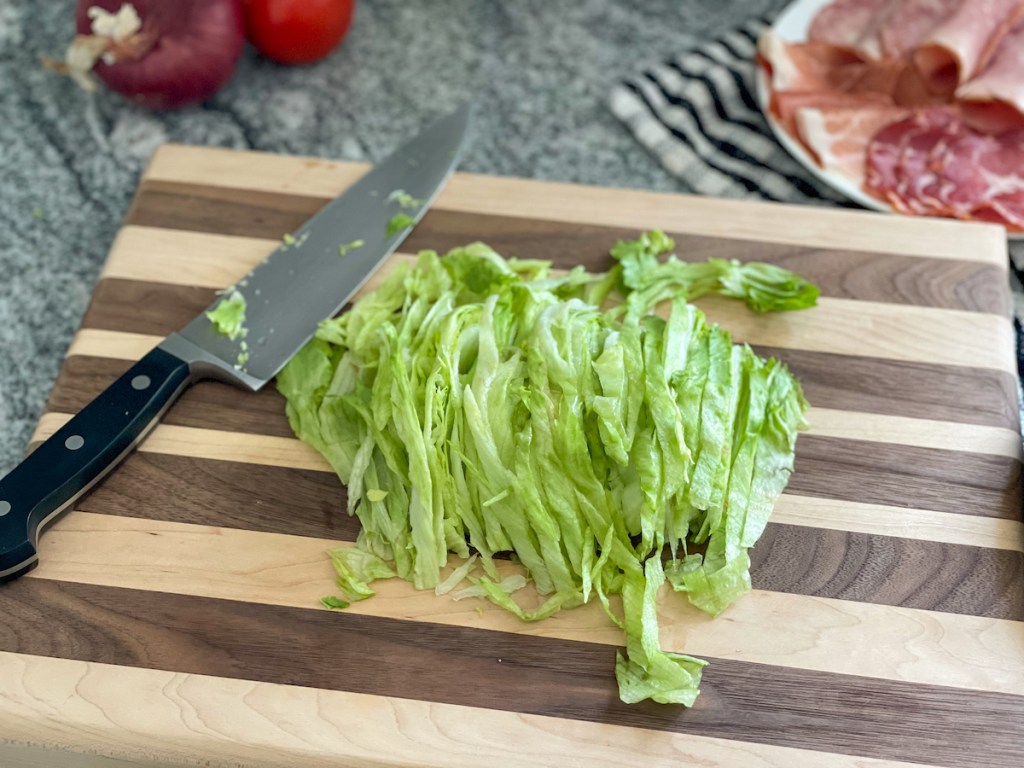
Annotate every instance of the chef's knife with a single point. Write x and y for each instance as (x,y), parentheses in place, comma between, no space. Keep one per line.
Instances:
(312,275)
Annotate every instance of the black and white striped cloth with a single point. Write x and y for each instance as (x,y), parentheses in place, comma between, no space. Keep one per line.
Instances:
(698,114)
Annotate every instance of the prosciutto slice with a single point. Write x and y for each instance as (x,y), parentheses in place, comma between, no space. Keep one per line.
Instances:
(963,44)
(808,66)
(786,106)
(838,136)
(994,101)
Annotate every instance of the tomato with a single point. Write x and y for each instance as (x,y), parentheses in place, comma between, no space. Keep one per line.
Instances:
(297,31)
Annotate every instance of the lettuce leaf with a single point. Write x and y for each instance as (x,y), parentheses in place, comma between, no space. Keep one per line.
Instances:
(476,405)
(356,569)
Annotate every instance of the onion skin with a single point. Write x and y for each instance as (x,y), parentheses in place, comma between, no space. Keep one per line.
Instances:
(193,48)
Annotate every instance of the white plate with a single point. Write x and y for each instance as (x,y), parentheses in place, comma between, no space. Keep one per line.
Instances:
(792,26)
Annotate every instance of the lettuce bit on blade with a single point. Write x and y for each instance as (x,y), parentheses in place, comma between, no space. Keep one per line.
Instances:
(228,317)
(343,250)
(475,405)
(398,222)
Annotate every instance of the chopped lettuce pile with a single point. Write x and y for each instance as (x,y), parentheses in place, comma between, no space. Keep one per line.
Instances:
(478,405)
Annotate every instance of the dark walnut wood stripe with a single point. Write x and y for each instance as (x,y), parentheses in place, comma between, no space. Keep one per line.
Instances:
(865,568)
(795,559)
(840,273)
(907,476)
(494,670)
(899,388)
(182,489)
(903,388)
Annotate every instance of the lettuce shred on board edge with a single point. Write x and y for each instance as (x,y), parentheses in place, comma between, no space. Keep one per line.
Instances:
(474,405)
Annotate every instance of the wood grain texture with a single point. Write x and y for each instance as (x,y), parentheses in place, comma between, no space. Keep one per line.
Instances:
(904,476)
(533,675)
(313,503)
(918,390)
(873,329)
(837,326)
(207,404)
(877,473)
(217,722)
(174,618)
(928,525)
(956,575)
(288,570)
(576,204)
(181,223)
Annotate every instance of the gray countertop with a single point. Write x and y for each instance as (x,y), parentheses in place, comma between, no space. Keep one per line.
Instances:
(539,70)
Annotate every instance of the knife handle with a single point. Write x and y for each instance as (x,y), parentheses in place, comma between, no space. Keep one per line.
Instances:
(81,452)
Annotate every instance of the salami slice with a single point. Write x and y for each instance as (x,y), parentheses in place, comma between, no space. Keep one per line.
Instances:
(933,164)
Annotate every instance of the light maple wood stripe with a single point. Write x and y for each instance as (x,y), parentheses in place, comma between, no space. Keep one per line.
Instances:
(836,636)
(178,257)
(899,522)
(212,444)
(923,433)
(874,329)
(291,452)
(96,342)
(151,716)
(551,201)
(842,326)
(837,326)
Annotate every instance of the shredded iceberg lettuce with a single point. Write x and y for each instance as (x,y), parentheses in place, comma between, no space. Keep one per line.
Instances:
(474,404)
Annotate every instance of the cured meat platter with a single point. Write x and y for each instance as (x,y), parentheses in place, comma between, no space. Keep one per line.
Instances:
(175,617)
(861,94)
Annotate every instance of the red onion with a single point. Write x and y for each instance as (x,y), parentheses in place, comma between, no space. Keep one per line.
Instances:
(183,53)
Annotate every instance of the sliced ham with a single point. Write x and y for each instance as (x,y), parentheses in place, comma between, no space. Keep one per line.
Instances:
(838,136)
(910,22)
(853,24)
(994,101)
(962,45)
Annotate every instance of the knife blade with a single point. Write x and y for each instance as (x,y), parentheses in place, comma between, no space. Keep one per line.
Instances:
(309,277)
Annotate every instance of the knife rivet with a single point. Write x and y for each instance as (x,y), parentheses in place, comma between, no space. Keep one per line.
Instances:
(141,382)
(74,442)
(5,507)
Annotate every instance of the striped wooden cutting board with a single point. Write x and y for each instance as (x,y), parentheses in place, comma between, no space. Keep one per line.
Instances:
(175,620)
